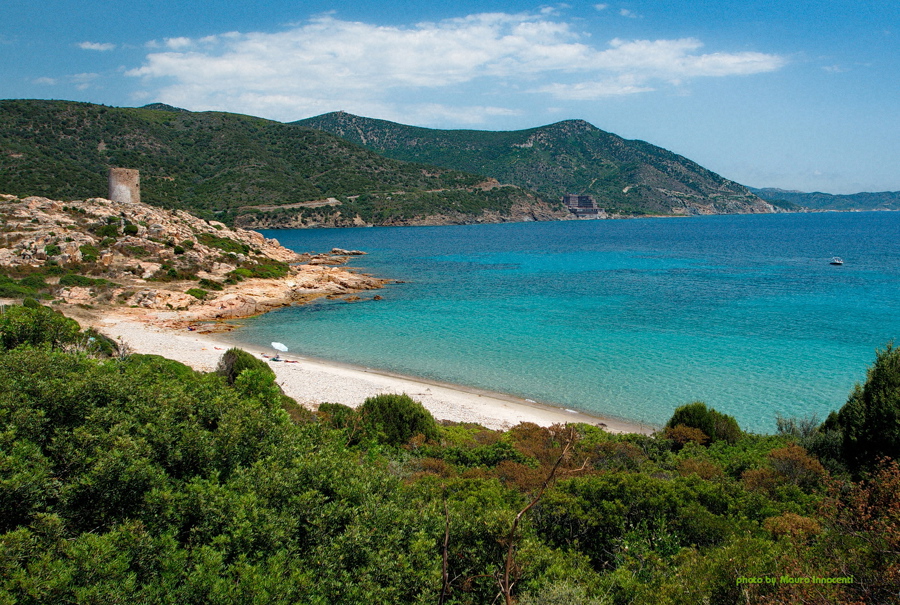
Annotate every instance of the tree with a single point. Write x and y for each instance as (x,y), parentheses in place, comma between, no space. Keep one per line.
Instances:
(234,361)
(716,426)
(870,420)
(35,325)
(398,418)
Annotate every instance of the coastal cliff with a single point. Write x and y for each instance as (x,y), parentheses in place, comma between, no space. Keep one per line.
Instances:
(168,266)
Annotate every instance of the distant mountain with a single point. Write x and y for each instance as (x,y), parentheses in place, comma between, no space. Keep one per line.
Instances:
(239,169)
(164,107)
(627,177)
(885,200)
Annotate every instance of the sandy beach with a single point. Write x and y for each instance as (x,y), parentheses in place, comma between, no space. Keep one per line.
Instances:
(313,381)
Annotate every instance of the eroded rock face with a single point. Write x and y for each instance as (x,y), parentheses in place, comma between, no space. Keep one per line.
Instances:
(33,223)
(142,257)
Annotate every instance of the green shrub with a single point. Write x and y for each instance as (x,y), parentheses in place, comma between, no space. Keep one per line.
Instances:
(211,284)
(100,343)
(198,293)
(34,281)
(715,425)
(338,415)
(485,455)
(107,231)
(397,418)
(52,250)
(81,280)
(870,420)
(225,244)
(160,366)
(130,230)
(10,289)
(35,325)
(234,361)
(167,273)
(89,253)
(136,251)
(268,269)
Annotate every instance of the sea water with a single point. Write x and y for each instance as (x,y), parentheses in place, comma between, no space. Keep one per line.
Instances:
(626,318)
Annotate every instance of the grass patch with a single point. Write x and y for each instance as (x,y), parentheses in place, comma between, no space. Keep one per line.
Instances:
(226,244)
(82,281)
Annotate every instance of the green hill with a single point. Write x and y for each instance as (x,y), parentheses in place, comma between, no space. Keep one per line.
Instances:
(883,200)
(235,168)
(631,177)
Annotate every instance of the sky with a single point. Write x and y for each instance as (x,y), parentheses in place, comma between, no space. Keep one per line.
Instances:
(801,95)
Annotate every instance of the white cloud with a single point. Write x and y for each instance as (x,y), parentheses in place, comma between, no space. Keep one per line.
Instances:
(627,13)
(601,7)
(83,81)
(326,64)
(589,91)
(101,46)
(44,81)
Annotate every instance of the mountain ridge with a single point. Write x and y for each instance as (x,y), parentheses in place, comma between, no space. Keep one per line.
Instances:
(221,165)
(571,156)
(816,200)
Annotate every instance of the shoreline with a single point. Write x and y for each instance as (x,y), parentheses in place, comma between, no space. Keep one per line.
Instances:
(312,381)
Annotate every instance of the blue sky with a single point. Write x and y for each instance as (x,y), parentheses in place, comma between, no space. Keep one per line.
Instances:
(799,95)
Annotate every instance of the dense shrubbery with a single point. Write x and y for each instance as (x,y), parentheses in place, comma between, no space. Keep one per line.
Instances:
(397,418)
(235,361)
(715,425)
(137,479)
(33,324)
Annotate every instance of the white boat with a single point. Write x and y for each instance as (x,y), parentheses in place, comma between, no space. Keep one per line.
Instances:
(837,260)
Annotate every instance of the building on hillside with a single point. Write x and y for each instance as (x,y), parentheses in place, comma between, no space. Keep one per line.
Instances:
(582,206)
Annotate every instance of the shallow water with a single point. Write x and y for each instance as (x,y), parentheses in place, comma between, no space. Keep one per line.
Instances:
(624,318)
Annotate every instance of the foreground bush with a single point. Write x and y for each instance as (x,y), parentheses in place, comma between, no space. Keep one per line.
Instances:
(234,361)
(141,481)
(398,418)
(715,425)
(870,420)
(35,324)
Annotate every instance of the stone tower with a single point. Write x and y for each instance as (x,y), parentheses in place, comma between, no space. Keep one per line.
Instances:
(124,185)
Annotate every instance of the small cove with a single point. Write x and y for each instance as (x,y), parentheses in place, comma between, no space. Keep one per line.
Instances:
(623,318)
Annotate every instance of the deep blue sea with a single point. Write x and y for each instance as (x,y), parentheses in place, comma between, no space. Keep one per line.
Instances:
(627,318)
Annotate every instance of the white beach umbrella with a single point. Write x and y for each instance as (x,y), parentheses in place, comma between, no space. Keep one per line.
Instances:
(279,347)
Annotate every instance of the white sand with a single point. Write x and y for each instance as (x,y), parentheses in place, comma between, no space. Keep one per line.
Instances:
(313,381)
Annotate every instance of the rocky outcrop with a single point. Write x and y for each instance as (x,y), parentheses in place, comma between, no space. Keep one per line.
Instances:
(130,255)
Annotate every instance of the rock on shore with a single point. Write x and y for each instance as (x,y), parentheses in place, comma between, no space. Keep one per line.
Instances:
(135,256)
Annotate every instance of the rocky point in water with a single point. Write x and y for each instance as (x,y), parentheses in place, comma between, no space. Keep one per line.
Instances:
(166,266)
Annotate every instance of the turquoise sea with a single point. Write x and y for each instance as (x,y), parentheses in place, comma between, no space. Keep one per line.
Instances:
(627,318)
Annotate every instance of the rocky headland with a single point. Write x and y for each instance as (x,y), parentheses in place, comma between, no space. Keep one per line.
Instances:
(164,267)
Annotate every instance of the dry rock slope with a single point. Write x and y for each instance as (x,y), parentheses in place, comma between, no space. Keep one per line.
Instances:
(170,265)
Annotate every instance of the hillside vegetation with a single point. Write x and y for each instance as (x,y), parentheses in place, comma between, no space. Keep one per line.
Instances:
(884,200)
(627,177)
(234,168)
(134,479)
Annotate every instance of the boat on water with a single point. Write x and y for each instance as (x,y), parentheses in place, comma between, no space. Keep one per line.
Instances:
(837,260)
